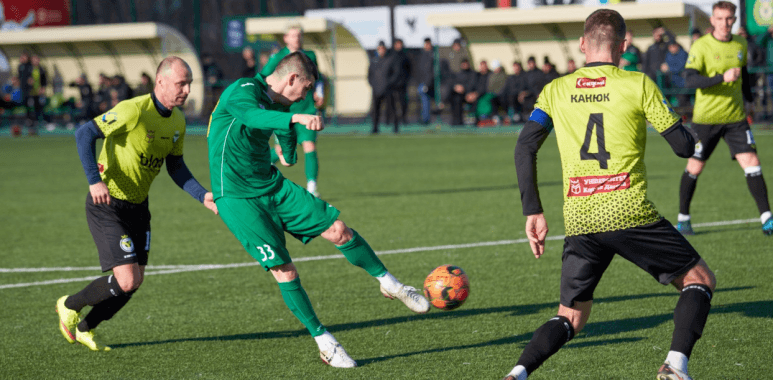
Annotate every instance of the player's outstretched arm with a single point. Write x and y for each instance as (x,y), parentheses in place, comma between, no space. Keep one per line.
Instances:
(312,122)
(86,140)
(536,232)
(180,174)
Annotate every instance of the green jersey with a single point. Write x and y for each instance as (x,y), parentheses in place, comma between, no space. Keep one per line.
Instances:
(721,103)
(137,140)
(238,139)
(599,114)
(305,106)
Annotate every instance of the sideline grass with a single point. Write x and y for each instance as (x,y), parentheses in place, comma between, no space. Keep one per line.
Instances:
(398,192)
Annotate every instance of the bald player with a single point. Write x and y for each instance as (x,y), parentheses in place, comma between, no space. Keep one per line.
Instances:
(139,135)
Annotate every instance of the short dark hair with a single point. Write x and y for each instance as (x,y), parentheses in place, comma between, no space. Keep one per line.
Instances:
(532,59)
(400,40)
(604,27)
(724,5)
(427,39)
(299,63)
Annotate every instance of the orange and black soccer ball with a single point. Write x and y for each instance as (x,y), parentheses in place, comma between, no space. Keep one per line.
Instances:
(447,287)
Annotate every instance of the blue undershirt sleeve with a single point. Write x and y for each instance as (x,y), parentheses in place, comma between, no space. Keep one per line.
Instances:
(86,140)
(180,174)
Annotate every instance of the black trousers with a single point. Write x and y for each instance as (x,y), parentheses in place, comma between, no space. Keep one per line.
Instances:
(390,103)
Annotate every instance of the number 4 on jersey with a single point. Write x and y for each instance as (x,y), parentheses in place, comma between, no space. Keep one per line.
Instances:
(596,120)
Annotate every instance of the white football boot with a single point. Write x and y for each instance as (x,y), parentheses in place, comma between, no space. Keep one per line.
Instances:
(336,356)
(410,297)
(667,372)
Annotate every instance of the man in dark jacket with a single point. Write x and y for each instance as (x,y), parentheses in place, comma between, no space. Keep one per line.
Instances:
(463,83)
(381,76)
(516,83)
(403,72)
(656,53)
(425,75)
(534,81)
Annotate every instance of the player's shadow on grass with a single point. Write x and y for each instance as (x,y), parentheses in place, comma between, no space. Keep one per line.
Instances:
(759,309)
(382,194)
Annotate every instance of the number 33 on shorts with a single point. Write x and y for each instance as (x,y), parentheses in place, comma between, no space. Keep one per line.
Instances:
(267,252)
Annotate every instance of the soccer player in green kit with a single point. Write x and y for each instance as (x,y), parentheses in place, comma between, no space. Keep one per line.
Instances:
(293,39)
(716,66)
(258,204)
(599,114)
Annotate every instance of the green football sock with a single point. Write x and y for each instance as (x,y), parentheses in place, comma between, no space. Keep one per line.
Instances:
(359,253)
(274,156)
(312,166)
(298,302)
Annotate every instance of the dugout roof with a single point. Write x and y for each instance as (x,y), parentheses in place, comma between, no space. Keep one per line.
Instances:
(509,34)
(340,58)
(125,49)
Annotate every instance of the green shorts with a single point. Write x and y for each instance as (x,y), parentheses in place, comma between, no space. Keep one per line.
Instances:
(304,134)
(260,223)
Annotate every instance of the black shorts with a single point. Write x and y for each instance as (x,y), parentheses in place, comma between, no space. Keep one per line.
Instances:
(738,137)
(121,231)
(658,248)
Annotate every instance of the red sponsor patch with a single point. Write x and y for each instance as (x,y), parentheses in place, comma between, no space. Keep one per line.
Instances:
(101,168)
(591,82)
(595,184)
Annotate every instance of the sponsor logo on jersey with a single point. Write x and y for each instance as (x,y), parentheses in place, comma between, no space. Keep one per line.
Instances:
(176,136)
(150,136)
(151,162)
(591,82)
(127,245)
(109,117)
(596,184)
(589,98)
(101,168)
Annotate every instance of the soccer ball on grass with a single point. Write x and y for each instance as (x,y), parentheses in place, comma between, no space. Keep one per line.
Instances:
(447,287)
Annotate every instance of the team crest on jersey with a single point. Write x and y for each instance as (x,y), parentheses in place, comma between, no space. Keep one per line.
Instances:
(150,136)
(176,136)
(740,56)
(109,117)
(698,147)
(127,245)
(591,82)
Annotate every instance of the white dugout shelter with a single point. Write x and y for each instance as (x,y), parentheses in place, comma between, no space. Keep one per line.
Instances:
(340,58)
(125,49)
(509,34)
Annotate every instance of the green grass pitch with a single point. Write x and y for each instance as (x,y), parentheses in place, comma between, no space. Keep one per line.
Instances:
(399,192)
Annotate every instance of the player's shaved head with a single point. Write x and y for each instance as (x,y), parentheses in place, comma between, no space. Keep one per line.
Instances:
(298,63)
(168,63)
(604,29)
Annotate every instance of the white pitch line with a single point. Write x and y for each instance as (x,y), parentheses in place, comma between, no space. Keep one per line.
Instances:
(169,269)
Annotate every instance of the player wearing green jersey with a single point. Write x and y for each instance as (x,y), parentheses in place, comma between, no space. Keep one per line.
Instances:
(716,66)
(258,204)
(308,105)
(599,114)
(140,134)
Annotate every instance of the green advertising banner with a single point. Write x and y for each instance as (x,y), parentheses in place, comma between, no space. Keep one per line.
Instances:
(759,16)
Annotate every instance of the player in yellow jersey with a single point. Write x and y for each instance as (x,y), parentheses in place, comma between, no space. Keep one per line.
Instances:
(716,66)
(599,114)
(140,134)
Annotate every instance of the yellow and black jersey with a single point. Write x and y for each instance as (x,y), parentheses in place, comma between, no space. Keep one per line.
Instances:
(721,103)
(600,115)
(137,139)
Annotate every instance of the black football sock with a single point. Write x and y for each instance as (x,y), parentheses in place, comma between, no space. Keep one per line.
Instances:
(547,340)
(757,188)
(97,291)
(104,311)
(690,316)
(686,191)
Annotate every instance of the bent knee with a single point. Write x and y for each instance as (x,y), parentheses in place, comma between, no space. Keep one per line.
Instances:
(699,274)
(338,233)
(129,285)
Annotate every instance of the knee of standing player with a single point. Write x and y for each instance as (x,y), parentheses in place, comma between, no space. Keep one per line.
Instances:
(130,284)
(701,274)
(338,234)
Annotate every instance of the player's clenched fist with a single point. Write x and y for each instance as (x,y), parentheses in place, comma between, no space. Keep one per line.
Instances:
(312,122)
(731,75)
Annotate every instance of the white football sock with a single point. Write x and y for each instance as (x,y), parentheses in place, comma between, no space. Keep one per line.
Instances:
(519,372)
(325,341)
(683,218)
(311,186)
(389,283)
(677,360)
(765,216)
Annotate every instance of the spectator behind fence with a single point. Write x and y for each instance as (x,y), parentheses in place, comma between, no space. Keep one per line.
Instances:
(36,98)
(632,55)
(516,84)
(403,73)
(676,58)
(84,107)
(695,34)
(451,66)
(102,96)
(495,95)
(549,71)
(571,67)
(656,53)
(463,83)
(381,76)
(534,81)
(24,71)
(11,95)
(250,65)
(213,75)
(146,85)
(425,75)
